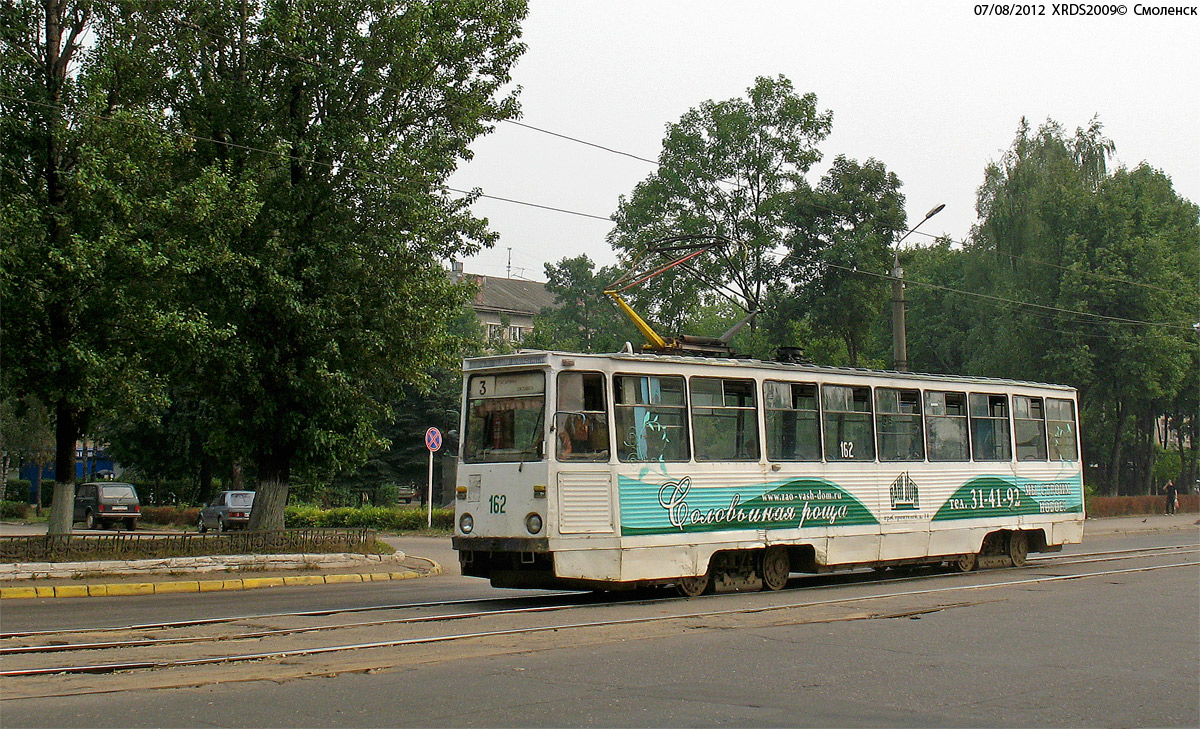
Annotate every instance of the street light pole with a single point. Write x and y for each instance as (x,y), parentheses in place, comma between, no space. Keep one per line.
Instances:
(899,336)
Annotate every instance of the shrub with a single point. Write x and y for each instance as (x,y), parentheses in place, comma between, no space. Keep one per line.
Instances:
(18,489)
(12,510)
(307,516)
(1102,506)
(171,515)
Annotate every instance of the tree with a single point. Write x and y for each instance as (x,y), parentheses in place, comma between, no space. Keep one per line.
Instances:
(583,319)
(723,171)
(98,230)
(26,436)
(347,118)
(938,315)
(840,232)
(1096,271)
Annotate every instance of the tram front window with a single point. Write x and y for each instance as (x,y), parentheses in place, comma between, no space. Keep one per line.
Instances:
(505,418)
(581,422)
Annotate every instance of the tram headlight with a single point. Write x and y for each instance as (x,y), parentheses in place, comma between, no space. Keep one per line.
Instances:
(533,523)
(466,523)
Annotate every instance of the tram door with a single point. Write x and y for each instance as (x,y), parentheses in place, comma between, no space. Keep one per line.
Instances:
(581,442)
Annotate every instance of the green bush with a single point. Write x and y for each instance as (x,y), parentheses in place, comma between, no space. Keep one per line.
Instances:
(18,489)
(381,518)
(12,510)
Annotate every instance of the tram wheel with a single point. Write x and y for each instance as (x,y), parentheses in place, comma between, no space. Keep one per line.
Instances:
(1018,548)
(967,563)
(775,568)
(695,586)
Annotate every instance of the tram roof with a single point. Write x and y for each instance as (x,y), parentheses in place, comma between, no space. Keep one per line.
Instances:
(530,358)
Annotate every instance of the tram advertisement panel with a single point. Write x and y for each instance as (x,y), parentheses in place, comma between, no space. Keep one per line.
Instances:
(994,496)
(676,505)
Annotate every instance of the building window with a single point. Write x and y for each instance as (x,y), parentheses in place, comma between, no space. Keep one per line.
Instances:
(516,334)
(495,332)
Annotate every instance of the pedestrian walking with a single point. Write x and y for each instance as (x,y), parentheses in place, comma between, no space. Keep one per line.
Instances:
(1172,497)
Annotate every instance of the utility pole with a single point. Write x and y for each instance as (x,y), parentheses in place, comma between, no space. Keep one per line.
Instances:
(899,336)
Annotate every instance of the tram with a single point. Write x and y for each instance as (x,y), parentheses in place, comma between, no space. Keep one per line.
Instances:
(616,471)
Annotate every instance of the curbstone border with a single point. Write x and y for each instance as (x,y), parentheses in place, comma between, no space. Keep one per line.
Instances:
(187,586)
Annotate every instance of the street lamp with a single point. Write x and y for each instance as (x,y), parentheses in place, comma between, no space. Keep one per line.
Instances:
(899,339)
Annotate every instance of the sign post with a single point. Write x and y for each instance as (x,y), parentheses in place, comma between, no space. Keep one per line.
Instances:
(433,441)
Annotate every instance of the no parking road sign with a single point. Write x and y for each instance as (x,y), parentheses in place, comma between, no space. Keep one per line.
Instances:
(433,439)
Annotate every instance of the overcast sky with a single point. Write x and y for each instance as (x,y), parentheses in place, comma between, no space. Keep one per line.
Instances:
(926,87)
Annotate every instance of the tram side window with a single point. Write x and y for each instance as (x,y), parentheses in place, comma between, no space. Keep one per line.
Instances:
(1029,427)
(946,419)
(793,428)
(1060,422)
(651,418)
(724,419)
(505,418)
(898,414)
(581,419)
(990,440)
(849,432)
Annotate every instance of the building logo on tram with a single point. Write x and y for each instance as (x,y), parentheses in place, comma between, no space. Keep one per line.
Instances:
(904,494)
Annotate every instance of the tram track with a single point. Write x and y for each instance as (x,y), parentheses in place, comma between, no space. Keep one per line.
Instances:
(585,599)
(52,646)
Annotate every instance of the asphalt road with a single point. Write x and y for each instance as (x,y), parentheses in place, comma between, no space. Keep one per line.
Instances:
(1121,649)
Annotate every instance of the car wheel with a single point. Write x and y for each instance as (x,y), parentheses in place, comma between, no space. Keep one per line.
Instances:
(131,524)
(89,520)
(200,527)
(220,524)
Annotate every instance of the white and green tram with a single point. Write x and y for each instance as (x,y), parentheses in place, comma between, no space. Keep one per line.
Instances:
(625,470)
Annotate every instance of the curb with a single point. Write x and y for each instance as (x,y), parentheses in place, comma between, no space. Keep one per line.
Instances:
(124,589)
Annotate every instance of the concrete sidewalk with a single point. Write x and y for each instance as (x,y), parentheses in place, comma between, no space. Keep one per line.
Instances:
(112,578)
(1133,524)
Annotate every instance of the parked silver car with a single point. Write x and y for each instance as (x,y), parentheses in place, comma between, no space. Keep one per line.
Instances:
(227,510)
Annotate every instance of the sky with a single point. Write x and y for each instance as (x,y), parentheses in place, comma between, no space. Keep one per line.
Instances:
(927,87)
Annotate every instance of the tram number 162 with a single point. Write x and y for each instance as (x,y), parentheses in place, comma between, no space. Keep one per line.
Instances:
(496,503)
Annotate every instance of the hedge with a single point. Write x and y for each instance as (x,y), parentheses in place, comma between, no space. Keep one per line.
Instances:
(1102,506)
(171,515)
(370,517)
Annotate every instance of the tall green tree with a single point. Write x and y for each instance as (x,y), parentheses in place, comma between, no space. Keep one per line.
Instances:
(723,171)
(841,231)
(583,318)
(99,231)
(1096,271)
(348,117)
